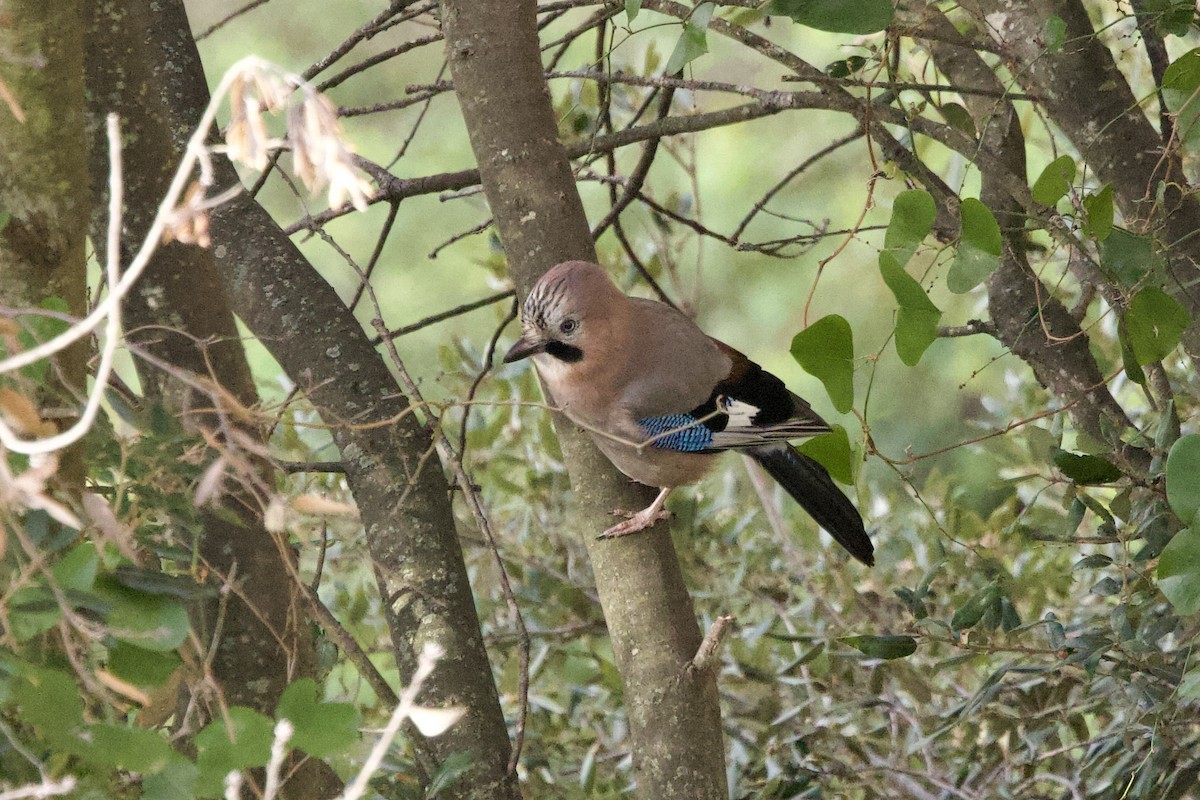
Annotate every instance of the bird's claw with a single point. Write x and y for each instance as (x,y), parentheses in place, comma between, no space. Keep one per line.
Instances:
(634,522)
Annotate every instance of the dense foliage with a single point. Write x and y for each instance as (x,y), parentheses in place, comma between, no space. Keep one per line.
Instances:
(918,241)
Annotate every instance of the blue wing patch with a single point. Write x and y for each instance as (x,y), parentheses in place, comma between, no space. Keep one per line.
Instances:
(686,434)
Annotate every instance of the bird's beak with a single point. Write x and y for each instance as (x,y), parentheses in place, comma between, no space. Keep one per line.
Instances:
(524,348)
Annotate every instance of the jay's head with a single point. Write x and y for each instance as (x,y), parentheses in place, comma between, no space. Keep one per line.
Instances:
(568,312)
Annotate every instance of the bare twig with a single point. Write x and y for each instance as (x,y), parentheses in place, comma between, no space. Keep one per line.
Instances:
(707,655)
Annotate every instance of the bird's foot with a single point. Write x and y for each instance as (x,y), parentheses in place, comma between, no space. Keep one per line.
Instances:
(637,521)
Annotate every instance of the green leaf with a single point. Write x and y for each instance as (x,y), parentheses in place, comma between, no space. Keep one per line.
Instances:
(220,754)
(150,621)
(1189,687)
(32,611)
(140,666)
(917,319)
(913,213)
(1054,33)
(1129,257)
(152,581)
(134,749)
(978,247)
(837,16)
(632,7)
(1133,370)
(832,451)
(176,781)
(321,729)
(885,647)
(1179,571)
(1055,181)
(453,767)
(693,42)
(846,67)
(969,613)
(957,115)
(1183,477)
(1171,17)
(50,701)
(38,329)
(1179,89)
(825,350)
(77,569)
(1094,561)
(1085,468)
(1155,321)
(1099,210)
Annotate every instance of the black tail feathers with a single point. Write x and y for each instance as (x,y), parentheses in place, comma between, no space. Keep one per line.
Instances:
(810,485)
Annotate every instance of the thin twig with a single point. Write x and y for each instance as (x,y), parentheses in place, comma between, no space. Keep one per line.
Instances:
(386,335)
(708,653)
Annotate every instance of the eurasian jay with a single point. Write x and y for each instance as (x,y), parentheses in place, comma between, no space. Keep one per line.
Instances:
(661,399)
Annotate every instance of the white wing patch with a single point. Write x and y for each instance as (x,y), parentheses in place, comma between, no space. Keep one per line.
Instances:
(742,432)
(741,414)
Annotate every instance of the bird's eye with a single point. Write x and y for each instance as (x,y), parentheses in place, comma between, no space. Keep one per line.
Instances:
(568,326)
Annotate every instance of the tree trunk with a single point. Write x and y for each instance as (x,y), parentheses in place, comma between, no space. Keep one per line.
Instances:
(674,713)
(265,641)
(42,171)
(401,493)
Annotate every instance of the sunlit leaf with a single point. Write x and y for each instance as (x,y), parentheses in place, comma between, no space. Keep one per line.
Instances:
(825,350)
(837,16)
(50,701)
(978,252)
(1189,687)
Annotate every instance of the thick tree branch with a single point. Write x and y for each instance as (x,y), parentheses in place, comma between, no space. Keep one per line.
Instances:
(1027,317)
(263,641)
(1088,98)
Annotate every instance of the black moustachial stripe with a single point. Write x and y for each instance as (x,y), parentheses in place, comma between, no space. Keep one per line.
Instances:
(564,352)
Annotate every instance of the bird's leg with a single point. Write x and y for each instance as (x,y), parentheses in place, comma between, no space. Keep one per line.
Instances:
(641,520)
